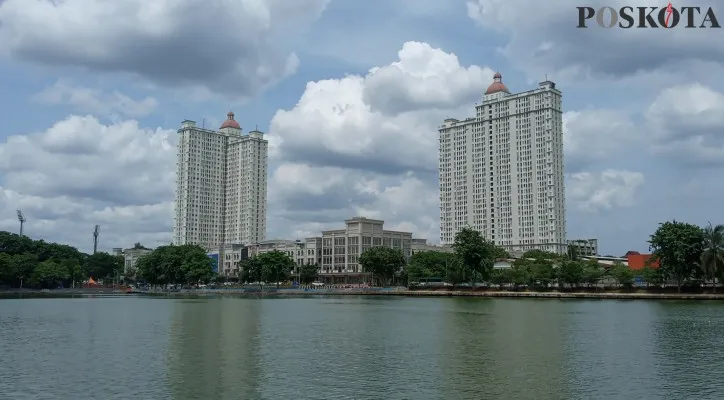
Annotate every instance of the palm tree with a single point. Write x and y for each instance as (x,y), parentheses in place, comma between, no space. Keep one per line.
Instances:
(712,259)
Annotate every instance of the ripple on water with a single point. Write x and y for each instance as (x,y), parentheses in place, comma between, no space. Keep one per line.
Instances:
(357,348)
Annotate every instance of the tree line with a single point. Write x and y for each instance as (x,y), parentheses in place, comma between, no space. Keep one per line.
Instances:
(686,254)
(25,262)
(174,265)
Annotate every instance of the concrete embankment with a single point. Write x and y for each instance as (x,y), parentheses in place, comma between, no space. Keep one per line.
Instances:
(449,293)
(284,292)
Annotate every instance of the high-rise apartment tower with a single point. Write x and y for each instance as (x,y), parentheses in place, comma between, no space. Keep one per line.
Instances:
(501,171)
(221,185)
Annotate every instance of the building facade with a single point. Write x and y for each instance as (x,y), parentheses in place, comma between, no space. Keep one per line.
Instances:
(420,245)
(584,247)
(131,257)
(342,248)
(227,258)
(501,171)
(221,185)
(303,252)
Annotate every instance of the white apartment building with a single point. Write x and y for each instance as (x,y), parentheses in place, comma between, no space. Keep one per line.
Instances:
(342,248)
(501,171)
(221,185)
(584,247)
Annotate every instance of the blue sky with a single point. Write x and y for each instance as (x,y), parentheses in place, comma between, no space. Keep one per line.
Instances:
(349,93)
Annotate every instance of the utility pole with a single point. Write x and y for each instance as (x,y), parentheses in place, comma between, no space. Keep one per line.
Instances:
(21,218)
(96,231)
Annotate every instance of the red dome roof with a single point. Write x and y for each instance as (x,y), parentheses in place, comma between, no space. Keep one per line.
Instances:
(230,122)
(497,85)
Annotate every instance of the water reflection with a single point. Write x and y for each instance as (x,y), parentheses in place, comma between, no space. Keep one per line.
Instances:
(494,346)
(687,339)
(213,352)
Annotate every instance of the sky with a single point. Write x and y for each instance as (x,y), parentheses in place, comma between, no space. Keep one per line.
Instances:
(349,94)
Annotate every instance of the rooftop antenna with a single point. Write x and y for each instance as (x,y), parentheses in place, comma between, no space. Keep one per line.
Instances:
(21,218)
(96,231)
(203,123)
(546,77)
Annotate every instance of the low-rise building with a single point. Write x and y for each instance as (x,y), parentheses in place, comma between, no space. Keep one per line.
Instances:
(131,257)
(584,247)
(419,245)
(303,252)
(341,248)
(227,258)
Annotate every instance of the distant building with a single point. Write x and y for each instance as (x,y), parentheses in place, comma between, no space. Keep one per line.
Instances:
(419,245)
(639,261)
(303,252)
(584,247)
(227,258)
(221,185)
(131,257)
(341,248)
(501,170)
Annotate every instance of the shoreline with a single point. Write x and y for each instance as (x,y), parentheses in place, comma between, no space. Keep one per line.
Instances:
(273,292)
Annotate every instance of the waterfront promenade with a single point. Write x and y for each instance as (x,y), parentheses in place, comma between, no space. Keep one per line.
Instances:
(398,291)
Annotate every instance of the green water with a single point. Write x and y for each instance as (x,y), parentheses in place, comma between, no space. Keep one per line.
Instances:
(360,348)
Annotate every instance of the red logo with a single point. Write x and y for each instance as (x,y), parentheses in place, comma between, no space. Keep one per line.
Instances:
(669,11)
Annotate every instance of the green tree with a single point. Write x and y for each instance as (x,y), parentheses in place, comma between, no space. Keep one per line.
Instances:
(622,274)
(276,266)
(74,269)
(476,254)
(308,273)
(427,264)
(251,271)
(174,265)
(23,266)
(500,276)
(712,256)
(592,273)
(652,276)
(571,273)
(520,273)
(196,266)
(383,263)
(103,265)
(678,247)
(49,273)
(455,271)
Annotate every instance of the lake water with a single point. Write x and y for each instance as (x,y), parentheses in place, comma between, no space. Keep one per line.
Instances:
(360,348)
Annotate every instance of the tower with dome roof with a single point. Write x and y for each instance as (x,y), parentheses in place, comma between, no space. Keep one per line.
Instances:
(221,185)
(501,170)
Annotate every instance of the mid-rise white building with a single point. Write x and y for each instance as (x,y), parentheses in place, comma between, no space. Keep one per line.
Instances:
(341,248)
(501,171)
(221,185)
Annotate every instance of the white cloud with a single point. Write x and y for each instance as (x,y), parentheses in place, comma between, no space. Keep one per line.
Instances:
(351,123)
(596,192)
(544,40)
(80,172)
(424,77)
(686,123)
(596,135)
(228,47)
(94,101)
